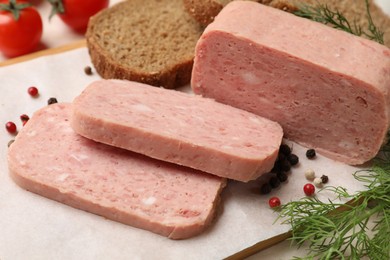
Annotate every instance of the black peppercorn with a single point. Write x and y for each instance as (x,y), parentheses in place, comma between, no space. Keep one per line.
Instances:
(324,179)
(88,70)
(52,100)
(265,188)
(10,142)
(311,153)
(285,165)
(274,182)
(284,149)
(282,176)
(281,157)
(277,168)
(293,159)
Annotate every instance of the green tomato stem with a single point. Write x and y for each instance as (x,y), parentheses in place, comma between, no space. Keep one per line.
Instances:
(14,8)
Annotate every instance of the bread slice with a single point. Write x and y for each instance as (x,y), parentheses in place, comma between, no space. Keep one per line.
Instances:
(146,41)
(49,159)
(204,11)
(188,130)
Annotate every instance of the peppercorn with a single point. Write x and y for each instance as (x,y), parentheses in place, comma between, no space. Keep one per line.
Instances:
(309,189)
(88,70)
(24,118)
(274,182)
(11,127)
(277,168)
(10,142)
(32,91)
(284,149)
(282,176)
(285,165)
(324,179)
(51,101)
(274,202)
(293,159)
(310,174)
(318,182)
(311,153)
(281,157)
(265,188)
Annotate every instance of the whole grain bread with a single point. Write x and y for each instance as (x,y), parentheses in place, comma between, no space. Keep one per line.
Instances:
(204,11)
(147,41)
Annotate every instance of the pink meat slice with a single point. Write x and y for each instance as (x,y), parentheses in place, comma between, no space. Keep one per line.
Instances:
(49,159)
(328,89)
(178,127)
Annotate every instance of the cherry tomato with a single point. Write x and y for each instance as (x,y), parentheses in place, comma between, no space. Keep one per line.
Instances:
(274,202)
(309,189)
(19,36)
(76,13)
(36,2)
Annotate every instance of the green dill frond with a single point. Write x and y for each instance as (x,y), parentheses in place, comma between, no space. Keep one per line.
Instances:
(323,14)
(334,230)
(375,34)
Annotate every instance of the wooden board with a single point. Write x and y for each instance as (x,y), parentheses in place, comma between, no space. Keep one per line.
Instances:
(34,55)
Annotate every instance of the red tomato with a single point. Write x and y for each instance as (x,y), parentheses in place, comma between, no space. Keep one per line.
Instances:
(18,37)
(36,2)
(77,12)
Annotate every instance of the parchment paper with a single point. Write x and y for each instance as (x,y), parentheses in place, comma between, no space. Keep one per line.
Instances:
(33,227)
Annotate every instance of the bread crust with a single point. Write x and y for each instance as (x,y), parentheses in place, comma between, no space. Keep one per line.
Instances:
(203,11)
(178,75)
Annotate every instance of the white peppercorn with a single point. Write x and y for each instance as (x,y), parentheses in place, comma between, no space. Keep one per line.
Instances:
(310,174)
(318,182)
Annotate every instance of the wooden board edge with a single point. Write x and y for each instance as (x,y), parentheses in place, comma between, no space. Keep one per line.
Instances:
(280,238)
(34,55)
(260,246)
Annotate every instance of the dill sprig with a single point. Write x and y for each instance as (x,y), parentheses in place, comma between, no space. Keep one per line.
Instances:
(334,230)
(323,14)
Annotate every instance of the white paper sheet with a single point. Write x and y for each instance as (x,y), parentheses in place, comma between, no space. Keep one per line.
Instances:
(33,227)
